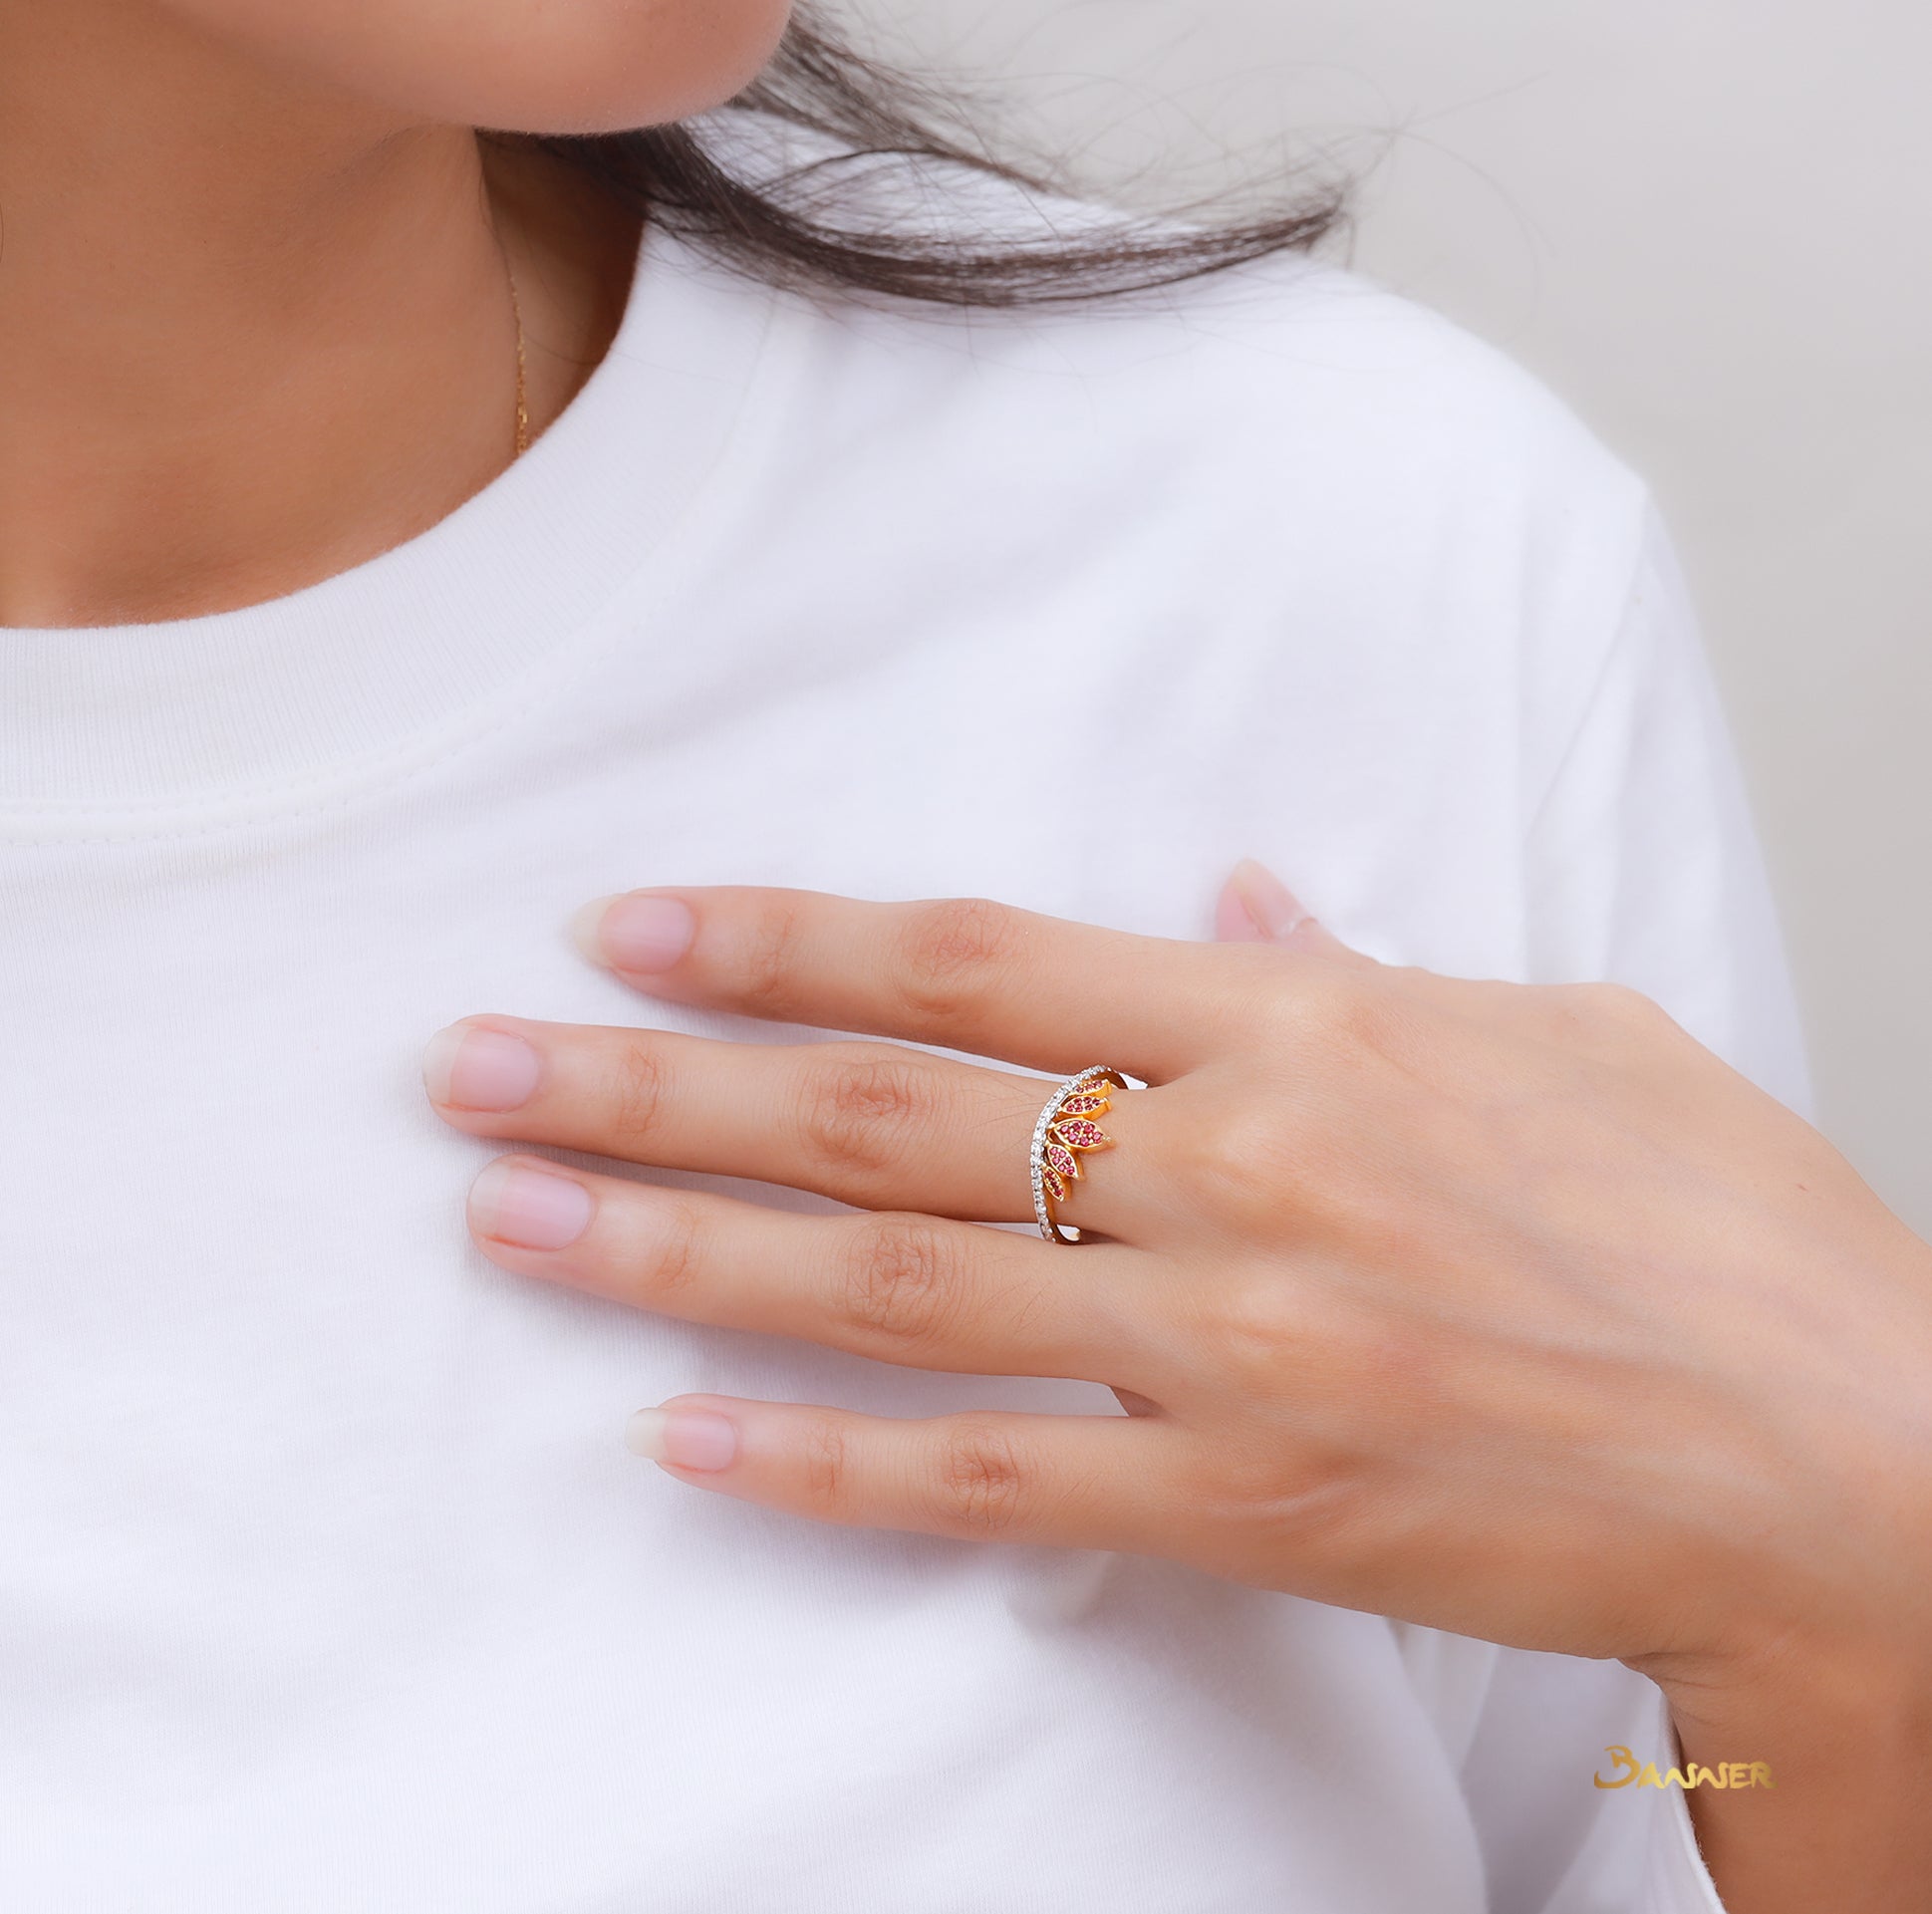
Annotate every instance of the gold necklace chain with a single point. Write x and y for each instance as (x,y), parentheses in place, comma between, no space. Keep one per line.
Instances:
(522,391)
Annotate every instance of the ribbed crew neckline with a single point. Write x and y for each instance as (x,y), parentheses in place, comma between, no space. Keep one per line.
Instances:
(374,664)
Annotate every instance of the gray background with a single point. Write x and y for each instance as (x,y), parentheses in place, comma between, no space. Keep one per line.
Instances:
(1704,221)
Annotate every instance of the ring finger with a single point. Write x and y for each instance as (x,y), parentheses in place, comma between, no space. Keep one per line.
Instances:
(877,1124)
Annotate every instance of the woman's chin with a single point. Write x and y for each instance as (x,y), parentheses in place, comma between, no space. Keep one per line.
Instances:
(607,66)
(516,65)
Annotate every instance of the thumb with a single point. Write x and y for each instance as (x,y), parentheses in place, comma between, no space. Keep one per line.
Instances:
(1256,906)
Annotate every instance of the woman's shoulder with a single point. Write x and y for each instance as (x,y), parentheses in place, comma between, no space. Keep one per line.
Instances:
(1284,371)
(1287,377)
(1331,474)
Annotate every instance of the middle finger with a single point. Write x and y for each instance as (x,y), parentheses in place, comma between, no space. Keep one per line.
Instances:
(877,1124)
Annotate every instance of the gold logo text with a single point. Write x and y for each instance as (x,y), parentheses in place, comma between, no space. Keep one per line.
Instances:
(1636,1773)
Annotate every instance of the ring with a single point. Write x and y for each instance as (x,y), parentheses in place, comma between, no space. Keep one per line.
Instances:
(1065,1132)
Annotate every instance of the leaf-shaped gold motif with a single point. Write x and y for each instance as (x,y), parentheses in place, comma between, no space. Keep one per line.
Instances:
(1080,1134)
(1089,1103)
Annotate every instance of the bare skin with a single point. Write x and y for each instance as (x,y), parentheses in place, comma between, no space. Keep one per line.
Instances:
(254,321)
(255,329)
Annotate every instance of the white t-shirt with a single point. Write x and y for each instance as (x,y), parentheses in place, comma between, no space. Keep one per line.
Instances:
(326,1581)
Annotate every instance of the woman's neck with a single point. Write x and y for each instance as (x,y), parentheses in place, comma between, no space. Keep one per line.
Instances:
(252,334)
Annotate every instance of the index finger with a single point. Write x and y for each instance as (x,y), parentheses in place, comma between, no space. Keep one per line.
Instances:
(962,973)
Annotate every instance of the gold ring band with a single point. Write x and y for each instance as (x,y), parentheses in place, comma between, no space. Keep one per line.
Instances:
(1064,1133)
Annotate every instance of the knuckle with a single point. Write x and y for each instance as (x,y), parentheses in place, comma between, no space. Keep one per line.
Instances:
(978,1481)
(640,1088)
(860,1110)
(900,1281)
(952,952)
(823,1467)
(1327,1023)
(767,982)
(1249,1472)
(661,1273)
(1365,1376)
(1297,1469)
(1349,1013)
(1260,1338)
(1261,985)
(1245,1163)
(1629,1009)
(1565,1012)
(1313,1503)
(1611,1014)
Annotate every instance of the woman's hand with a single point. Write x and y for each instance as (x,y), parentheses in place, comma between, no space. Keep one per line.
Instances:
(1503,1310)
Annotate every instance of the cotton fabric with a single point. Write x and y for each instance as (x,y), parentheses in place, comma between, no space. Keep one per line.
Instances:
(327,1581)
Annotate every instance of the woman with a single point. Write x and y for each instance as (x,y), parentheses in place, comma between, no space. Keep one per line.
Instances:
(396,551)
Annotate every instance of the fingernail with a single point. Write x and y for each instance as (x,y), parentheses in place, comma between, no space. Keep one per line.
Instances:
(686,1438)
(642,935)
(1269,909)
(528,1208)
(478,1069)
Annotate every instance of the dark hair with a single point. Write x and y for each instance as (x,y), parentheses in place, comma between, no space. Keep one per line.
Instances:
(790,229)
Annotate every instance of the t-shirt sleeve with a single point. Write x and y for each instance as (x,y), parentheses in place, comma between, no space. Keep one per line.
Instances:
(1642,867)
(1641,863)
(1554,1842)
